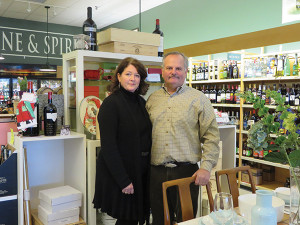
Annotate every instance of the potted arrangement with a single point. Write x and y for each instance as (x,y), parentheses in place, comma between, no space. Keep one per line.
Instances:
(23,85)
(286,147)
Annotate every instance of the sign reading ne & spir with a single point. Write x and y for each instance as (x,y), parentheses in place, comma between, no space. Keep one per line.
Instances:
(34,43)
(234,56)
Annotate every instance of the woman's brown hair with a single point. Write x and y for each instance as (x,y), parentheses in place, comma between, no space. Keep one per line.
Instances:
(143,87)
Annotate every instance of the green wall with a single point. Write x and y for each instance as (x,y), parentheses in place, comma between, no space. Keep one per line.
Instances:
(182,21)
(191,21)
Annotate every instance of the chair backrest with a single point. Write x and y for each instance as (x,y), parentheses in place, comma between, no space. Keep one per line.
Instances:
(185,198)
(232,181)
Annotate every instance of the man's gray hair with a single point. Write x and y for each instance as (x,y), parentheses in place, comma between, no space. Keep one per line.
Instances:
(186,61)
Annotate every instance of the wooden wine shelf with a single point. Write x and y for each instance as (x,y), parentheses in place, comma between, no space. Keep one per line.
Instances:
(226,105)
(251,159)
(266,185)
(215,81)
(283,78)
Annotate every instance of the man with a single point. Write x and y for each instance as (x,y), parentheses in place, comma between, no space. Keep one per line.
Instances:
(184,132)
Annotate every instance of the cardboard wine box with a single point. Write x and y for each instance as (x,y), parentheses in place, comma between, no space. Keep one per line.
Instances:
(256,174)
(128,36)
(268,173)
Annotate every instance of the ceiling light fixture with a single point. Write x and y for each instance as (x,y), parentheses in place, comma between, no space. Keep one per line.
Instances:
(47,67)
(29,7)
(32,2)
(1,56)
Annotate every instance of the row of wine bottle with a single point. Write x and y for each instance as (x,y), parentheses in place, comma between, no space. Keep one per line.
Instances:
(90,28)
(230,95)
(50,117)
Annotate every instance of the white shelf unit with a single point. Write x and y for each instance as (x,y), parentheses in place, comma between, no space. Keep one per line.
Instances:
(78,60)
(52,161)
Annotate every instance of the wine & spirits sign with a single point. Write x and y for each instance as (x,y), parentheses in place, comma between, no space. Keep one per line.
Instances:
(34,43)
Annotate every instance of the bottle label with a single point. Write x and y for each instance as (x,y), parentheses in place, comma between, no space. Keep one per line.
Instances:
(161,45)
(90,29)
(250,122)
(297,101)
(223,96)
(52,116)
(292,97)
(219,99)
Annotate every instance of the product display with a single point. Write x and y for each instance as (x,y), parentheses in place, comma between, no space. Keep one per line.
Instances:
(50,117)
(90,28)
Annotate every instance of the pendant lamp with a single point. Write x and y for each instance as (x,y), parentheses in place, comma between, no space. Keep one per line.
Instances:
(47,67)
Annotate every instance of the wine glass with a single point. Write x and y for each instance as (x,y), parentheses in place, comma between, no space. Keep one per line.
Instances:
(223,207)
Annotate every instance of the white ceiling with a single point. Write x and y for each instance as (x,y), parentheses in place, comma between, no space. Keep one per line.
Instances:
(74,12)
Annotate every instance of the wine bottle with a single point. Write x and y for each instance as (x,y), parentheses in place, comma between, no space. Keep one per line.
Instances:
(35,129)
(235,71)
(295,66)
(292,95)
(287,67)
(50,117)
(90,29)
(161,46)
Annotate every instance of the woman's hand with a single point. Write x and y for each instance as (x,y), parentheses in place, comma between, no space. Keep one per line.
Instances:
(129,189)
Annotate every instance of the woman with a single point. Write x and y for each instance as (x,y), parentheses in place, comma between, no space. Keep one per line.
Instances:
(124,160)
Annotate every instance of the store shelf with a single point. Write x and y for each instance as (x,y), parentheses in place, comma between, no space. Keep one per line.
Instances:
(79,60)
(246,132)
(215,81)
(52,162)
(265,162)
(225,105)
(283,78)
(6,115)
(271,186)
(97,56)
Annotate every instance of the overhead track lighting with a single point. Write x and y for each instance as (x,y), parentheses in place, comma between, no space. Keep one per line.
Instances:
(47,67)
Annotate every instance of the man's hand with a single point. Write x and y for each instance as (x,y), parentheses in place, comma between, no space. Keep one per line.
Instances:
(202,177)
(129,189)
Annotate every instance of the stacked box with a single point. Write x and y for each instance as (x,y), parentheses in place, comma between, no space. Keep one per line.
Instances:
(59,205)
(256,174)
(128,42)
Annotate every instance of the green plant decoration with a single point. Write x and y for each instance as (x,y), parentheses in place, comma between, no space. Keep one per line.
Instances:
(23,83)
(257,137)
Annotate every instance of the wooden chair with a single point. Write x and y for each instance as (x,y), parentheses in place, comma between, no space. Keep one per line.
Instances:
(232,181)
(185,198)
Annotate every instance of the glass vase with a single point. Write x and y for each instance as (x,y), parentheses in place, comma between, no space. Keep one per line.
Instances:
(294,197)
